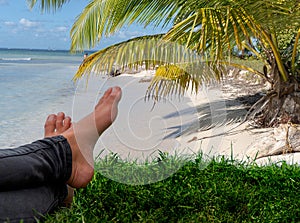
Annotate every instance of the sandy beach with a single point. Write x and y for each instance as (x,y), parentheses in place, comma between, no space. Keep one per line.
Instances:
(209,121)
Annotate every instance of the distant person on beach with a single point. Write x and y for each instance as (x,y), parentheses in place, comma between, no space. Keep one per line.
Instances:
(114,73)
(85,56)
(34,178)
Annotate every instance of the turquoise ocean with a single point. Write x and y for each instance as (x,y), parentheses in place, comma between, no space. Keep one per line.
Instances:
(33,84)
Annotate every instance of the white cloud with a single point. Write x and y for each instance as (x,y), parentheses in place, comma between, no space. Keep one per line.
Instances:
(9,23)
(61,29)
(27,23)
(122,35)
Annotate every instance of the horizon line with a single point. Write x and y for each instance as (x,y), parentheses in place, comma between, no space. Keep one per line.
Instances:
(44,49)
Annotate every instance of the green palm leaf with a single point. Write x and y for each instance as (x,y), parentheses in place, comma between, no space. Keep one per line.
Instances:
(48,5)
(178,67)
(103,18)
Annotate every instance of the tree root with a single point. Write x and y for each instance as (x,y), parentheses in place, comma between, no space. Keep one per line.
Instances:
(288,148)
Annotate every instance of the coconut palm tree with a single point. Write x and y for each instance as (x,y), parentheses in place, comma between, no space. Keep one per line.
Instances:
(197,48)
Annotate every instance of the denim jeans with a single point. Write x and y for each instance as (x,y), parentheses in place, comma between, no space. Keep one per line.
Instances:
(33,179)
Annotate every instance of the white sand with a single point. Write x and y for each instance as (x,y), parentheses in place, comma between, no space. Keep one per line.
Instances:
(208,121)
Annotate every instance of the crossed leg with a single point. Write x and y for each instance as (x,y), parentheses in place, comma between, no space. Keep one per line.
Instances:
(54,126)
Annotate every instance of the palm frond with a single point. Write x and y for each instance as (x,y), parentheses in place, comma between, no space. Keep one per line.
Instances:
(178,68)
(148,51)
(171,79)
(220,29)
(47,5)
(103,18)
(278,14)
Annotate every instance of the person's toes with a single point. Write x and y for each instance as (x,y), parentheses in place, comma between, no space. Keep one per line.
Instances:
(66,124)
(60,122)
(107,93)
(50,125)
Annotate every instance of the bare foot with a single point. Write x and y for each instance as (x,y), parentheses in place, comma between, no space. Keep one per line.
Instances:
(56,124)
(83,135)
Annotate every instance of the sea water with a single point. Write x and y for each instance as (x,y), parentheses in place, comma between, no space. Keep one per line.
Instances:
(33,84)
(36,83)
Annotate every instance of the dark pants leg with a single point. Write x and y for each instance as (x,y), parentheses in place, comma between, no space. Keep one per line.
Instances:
(36,164)
(31,204)
(34,174)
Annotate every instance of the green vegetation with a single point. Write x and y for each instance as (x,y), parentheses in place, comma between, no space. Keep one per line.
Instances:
(223,191)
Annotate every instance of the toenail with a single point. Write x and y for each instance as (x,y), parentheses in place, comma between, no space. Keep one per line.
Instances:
(114,90)
(51,118)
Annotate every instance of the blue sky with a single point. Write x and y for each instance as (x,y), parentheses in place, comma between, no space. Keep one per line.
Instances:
(21,27)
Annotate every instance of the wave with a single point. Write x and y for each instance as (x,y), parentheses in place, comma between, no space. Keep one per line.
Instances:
(16,59)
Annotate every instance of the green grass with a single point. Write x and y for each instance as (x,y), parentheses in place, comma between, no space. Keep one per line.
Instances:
(223,191)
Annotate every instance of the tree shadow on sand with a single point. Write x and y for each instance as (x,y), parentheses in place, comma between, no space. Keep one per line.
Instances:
(214,114)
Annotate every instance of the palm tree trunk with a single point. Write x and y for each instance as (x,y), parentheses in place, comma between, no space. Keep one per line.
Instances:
(281,104)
